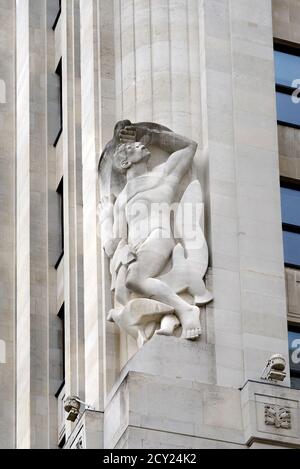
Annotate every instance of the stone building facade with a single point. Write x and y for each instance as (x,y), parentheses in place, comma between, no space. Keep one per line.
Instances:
(70,70)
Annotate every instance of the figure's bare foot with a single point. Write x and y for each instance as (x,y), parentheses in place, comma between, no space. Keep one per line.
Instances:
(191,327)
(168,325)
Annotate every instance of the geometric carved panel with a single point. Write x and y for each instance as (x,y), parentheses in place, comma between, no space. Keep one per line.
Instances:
(277,416)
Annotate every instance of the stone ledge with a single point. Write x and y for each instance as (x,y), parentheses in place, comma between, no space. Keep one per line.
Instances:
(171,357)
(144,403)
(271,414)
(147,411)
(173,406)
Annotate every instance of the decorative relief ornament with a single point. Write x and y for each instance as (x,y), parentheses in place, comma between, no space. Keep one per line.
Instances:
(278,417)
(152,230)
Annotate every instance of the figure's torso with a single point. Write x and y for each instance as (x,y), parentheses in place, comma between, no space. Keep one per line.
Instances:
(146,201)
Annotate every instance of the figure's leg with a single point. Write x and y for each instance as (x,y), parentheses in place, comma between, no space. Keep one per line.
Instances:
(122,293)
(141,280)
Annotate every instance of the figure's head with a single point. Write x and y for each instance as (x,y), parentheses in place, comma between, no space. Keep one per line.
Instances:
(129,154)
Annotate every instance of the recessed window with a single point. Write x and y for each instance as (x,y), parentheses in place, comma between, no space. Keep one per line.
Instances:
(290,208)
(60,101)
(287,68)
(291,248)
(294,353)
(61,316)
(288,113)
(60,194)
(287,74)
(290,201)
(58,14)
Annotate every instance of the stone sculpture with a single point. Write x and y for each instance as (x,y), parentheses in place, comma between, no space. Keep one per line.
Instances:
(151,215)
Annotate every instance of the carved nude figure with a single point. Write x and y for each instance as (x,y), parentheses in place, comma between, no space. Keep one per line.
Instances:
(151,268)
(139,256)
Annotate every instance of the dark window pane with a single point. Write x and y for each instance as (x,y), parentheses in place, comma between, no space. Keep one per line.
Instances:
(295,382)
(291,243)
(59,75)
(60,192)
(287,111)
(59,102)
(61,341)
(294,348)
(290,204)
(57,13)
(287,68)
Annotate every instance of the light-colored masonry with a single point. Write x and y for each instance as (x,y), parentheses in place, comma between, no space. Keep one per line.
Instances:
(2,92)
(205,69)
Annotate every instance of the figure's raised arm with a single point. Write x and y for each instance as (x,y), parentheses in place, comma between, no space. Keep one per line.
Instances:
(181,149)
(182,152)
(107,222)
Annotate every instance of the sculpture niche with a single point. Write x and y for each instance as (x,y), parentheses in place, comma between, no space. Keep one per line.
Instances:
(151,217)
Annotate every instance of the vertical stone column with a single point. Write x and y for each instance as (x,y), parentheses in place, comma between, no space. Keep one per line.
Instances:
(263,294)
(94,330)
(98,119)
(224,315)
(32,233)
(54,225)
(157,63)
(205,69)
(158,74)
(7,223)
(249,310)
(107,119)
(73,248)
